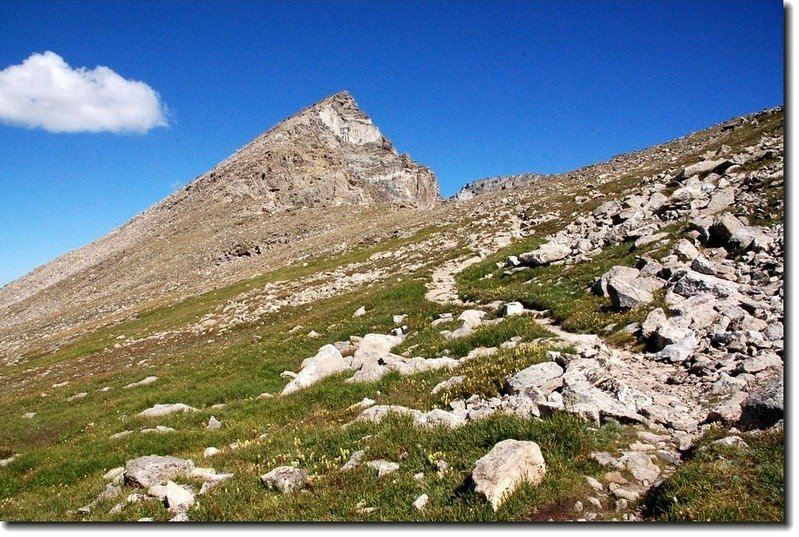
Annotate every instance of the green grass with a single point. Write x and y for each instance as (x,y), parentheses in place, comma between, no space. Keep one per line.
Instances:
(486,376)
(430,342)
(726,484)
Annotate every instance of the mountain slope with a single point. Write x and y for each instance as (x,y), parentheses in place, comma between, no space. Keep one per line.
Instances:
(626,317)
(305,186)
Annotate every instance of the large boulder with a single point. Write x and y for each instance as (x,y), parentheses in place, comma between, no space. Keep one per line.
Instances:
(765,405)
(626,287)
(618,272)
(503,469)
(535,376)
(328,361)
(153,470)
(545,254)
(690,283)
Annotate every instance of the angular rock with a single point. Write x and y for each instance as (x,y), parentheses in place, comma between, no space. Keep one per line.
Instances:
(354,460)
(152,470)
(328,361)
(285,478)
(421,502)
(377,413)
(680,350)
(213,424)
(765,405)
(545,254)
(534,376)
(509,464)
(512,308)
(625,273)
(690,283)
(177,498)
(383,467)
(724,227)
(640,465)
(449,383)
(472,317)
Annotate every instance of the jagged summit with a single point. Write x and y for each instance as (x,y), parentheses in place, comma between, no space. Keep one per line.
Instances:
(328,154)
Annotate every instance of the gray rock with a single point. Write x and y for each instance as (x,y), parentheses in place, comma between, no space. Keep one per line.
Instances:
(152,470)
(625,273)
(685,249)
(690,283)
(720,200)
(625,294)
(512,308)
(383,467)
(545,254)
(328,361)
(177,498)
(724,227)
(143,382)
(377,413)
(421,502)
(213,424)
(640,465)
(534,376)
(509,464)
(354,460)
(165,410)
(449,383)
(679,351)
(765,405)
(285,479)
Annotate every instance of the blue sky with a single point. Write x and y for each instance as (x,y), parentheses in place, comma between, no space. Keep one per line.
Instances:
(471,89)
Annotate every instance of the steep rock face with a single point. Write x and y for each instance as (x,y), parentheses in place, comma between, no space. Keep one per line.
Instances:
(329,154)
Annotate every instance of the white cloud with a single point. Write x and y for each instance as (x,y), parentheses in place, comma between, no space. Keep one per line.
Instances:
(45,92)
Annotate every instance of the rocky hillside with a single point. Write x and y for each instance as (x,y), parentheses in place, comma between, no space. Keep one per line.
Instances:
(318,180)
(604,345)
(496,184)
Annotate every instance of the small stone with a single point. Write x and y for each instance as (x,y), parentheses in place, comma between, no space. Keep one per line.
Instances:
(286,478)
(213,424)
(360,312)
(421,502)
(210,452)
(383,467)
(512,308)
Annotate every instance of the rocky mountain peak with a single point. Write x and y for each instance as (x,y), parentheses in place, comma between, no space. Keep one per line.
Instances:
(328,154)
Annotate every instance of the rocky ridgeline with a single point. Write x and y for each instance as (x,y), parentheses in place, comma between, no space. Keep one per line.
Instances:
(497,184)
